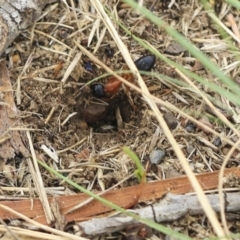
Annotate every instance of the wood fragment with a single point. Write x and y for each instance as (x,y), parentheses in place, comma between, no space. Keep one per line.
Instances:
(16,142)
(15,16)
(125,198)
(170,208)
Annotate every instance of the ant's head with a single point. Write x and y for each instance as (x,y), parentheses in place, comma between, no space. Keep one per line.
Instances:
(98,90)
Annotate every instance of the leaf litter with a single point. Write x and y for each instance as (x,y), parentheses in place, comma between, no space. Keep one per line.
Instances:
(50,84)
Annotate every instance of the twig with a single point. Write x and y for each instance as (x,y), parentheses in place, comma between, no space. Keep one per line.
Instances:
(170,208)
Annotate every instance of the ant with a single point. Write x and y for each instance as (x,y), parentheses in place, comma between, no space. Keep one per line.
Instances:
(113,85)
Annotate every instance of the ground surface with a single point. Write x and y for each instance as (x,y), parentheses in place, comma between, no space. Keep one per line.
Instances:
(106,125)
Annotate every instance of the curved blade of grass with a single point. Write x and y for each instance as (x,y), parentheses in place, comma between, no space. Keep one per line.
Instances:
(185,85)
(229,95)
(214,87)
(187,45)
(234,3)
(149,223)
(140,172)
(222,29)
(166,78)
(194,51)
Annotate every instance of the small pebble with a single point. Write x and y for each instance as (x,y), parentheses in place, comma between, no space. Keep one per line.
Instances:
(190,127)
(171,120)
(189,149)
(217,141)
(172,173)
(174,48)
(156,156)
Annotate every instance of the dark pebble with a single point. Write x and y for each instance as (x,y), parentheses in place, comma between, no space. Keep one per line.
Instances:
(171,120)
(217,142)
(190,127)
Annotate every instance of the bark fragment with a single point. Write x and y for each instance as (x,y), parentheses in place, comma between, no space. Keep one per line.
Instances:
(15,16)
(170,208)
(13,142)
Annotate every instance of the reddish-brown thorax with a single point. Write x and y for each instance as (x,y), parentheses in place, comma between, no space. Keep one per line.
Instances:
(113,85)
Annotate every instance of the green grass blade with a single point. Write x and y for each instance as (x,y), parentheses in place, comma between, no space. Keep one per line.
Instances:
(193,50)
(140,172)
(149,223)
(234,3)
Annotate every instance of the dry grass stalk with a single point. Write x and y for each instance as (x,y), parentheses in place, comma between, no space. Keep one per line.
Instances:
(57,24)
(41,226)
(222,202)
(49,190)
(26,234)
(38,182)
(73,146)
(99,194)
(52,38)
(27,64)
(9,230)
(85,20)
(159,101)
(50,114)
(71,67)
(234,26)
(68,117)
(220,23)
(202,198)
(216,111)
(54,51)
